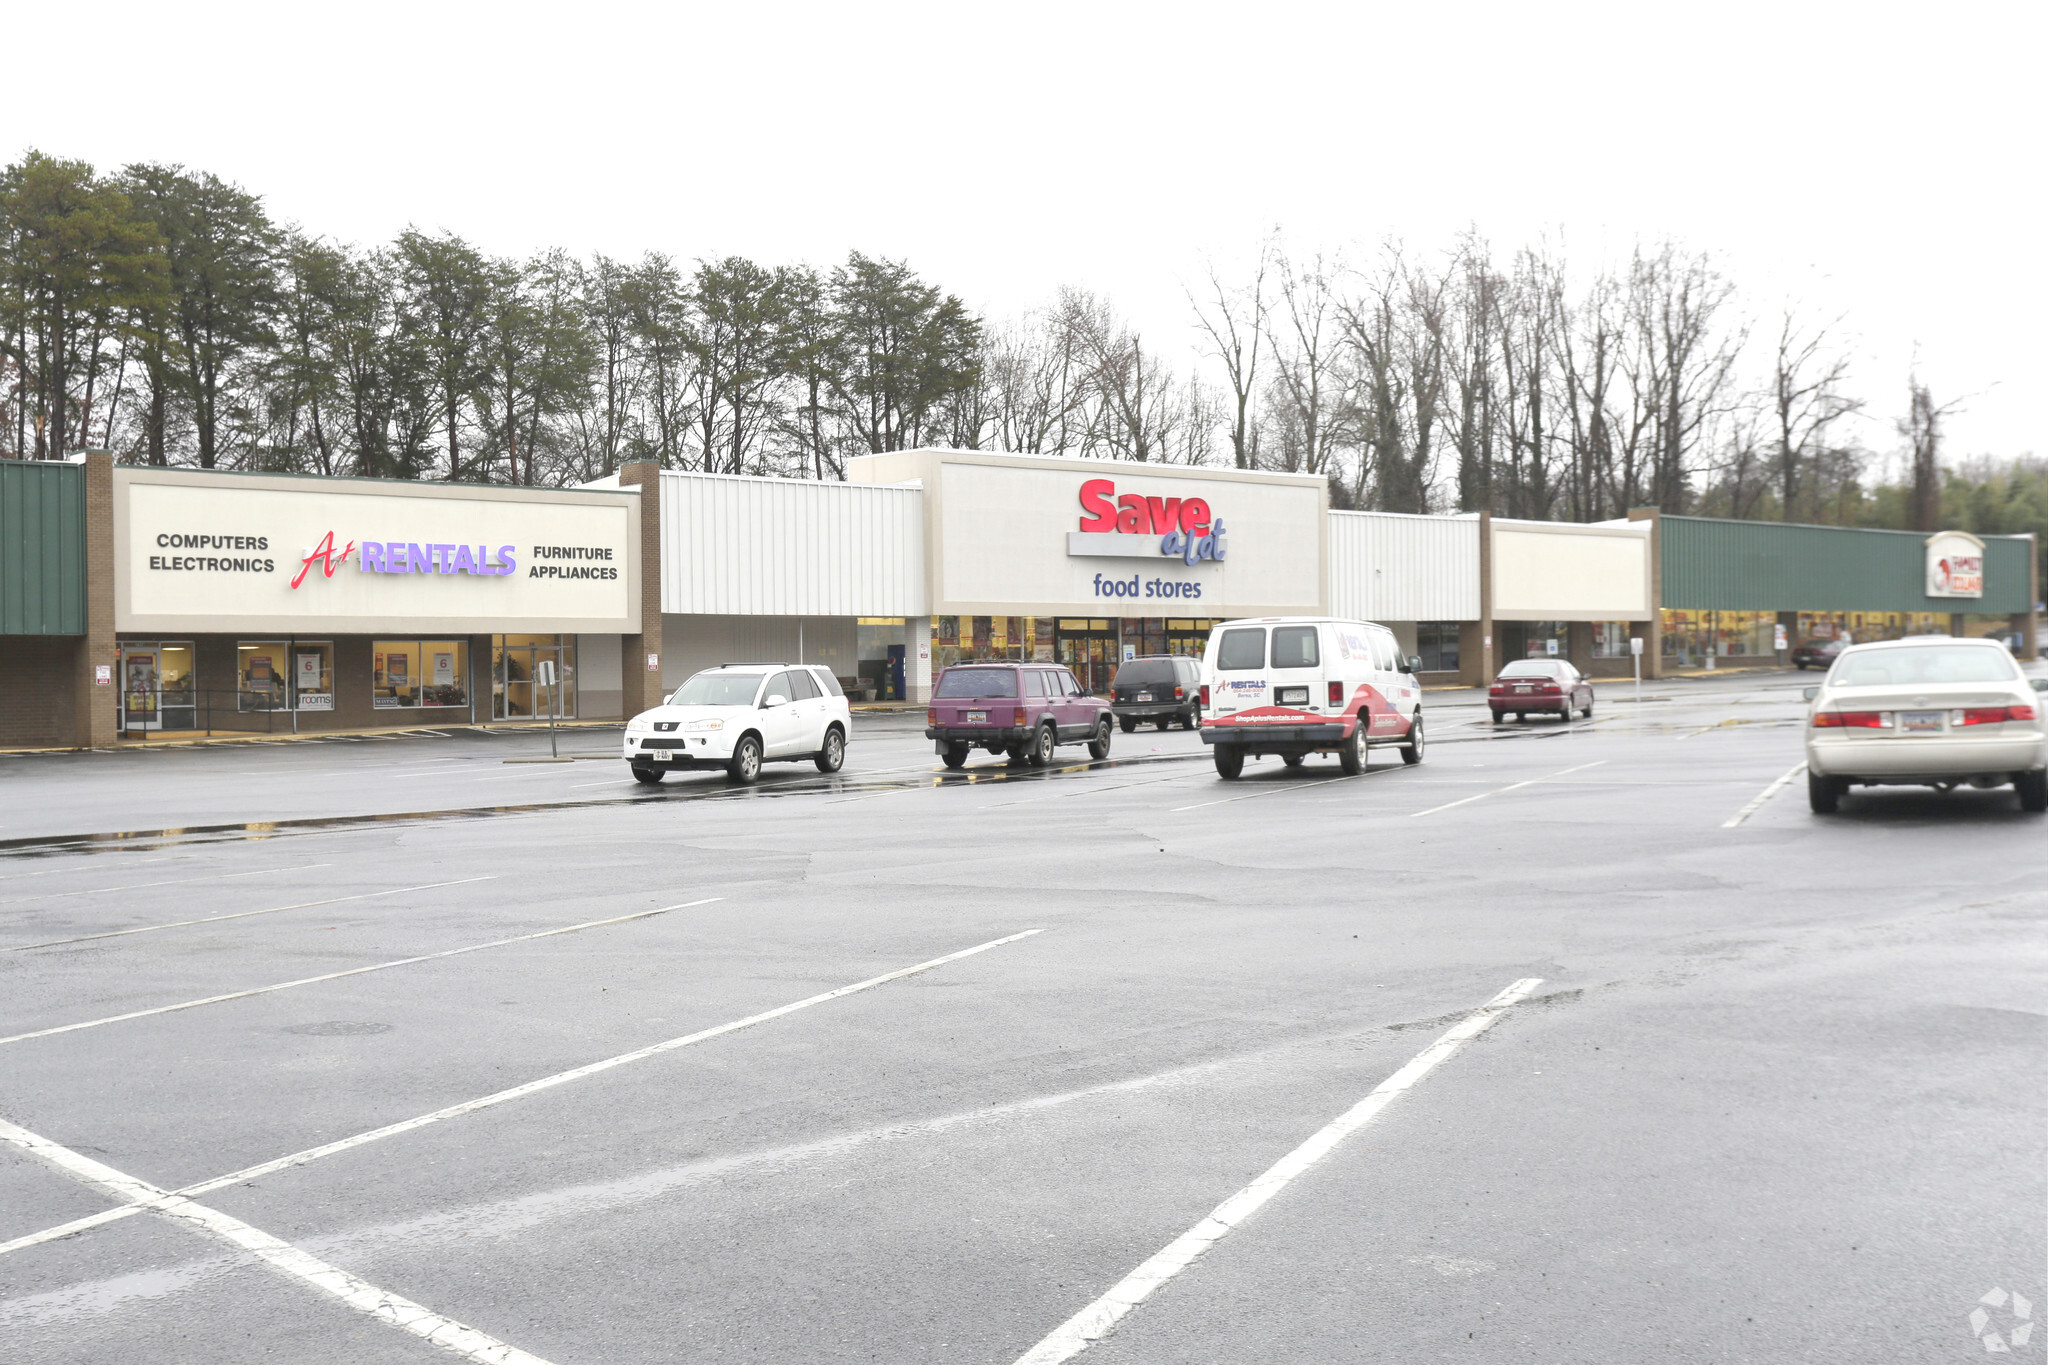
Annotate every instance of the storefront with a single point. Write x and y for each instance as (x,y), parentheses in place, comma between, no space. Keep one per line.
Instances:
(1737,594)
(266,603)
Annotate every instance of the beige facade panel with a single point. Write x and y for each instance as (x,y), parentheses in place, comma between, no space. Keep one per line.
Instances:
(204,552)
(740,546)
(1390,567)
(1004,535)
(1552,571)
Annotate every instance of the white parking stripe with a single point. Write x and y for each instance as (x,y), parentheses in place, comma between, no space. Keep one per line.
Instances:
(245,914)
(378,1303)
(1100,1318)
(353,971)
(176,881)
(1757,802)
(501,1097)
(1290,787)
(81,867)
(1513,786)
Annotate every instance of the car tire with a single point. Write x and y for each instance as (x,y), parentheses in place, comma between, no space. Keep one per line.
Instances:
(1098,747)
(1162,722)
(646,777)
(1294,760)
(1192,720)
(745,764)
(1129,723)
(1352,758)
(2033,790)
(1016,754)
(1229,761)
(955,755)
(833,756)
(1042,745)
(1801,667)
(1588,712)
(1500,717)
(1824,794)
(1411,752)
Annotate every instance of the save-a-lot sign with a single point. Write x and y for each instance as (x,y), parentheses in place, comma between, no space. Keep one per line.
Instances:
(210,552)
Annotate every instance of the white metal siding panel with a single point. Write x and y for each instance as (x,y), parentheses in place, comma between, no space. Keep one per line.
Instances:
(1385,566)
(738,546)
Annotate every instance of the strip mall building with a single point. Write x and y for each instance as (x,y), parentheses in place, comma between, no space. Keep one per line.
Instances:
(138,602)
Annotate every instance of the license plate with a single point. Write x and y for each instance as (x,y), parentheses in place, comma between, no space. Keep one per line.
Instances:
(1144,696)
(976,717)
(1521,687)
(1292,696)
(1919,722)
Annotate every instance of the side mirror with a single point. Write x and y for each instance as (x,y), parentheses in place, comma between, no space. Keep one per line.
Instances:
(2041,684)
(774,699)
(1412,664)
(1811,692)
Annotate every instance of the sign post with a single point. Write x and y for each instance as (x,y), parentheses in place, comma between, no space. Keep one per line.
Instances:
(544,673)
(1635,649)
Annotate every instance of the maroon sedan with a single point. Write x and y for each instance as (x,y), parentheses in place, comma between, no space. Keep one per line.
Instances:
(1527,686)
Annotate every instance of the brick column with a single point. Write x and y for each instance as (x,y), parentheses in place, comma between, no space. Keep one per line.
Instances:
(640,655)
(1477,649)
(96,708)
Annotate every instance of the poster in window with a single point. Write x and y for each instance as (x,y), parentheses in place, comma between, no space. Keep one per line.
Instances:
(444,667)
(261,674)
(396,673)
(141,685)
(309,672)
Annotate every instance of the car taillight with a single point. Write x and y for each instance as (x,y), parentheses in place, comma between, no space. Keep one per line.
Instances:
(1017,718)
(1852,720)
(1336,693)
(1547,690)
(1205,694)
(931,715)
(1992,715)
(1180,694)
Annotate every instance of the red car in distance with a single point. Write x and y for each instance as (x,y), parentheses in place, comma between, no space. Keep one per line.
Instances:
(1529,686)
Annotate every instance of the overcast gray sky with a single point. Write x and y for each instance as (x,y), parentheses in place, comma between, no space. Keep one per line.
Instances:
(1879,161)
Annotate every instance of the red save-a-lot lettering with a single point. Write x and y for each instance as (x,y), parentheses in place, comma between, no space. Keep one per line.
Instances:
(1136,516)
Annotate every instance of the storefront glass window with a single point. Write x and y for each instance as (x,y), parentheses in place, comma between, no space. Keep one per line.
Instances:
(422,673)
(1437,643)
(263,682)
(313,675)
(516,692)
(1610,639)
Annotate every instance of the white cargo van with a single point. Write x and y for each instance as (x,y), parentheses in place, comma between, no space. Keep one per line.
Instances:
(1301,685)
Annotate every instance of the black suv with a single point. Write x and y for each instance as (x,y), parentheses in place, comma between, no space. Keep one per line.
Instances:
(1160,688)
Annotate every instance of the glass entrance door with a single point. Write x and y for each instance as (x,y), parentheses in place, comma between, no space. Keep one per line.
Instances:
(1088,645)
(142,689)
(514,693)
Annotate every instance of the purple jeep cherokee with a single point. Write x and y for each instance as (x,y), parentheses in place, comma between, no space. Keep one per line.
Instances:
(1019,709)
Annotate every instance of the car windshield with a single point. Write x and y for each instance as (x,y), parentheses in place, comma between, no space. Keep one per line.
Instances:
(1924,664)
(1530,668)
(1145,671)
(977,682)
(718,688)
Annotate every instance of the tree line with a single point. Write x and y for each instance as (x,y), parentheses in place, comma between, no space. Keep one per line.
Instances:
(163,313)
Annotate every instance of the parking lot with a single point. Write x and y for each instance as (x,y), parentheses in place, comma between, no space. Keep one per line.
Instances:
(378,1049)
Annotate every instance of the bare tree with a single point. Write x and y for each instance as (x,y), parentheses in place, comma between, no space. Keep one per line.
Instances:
(1807,398)
(1921,429)
(1234,321)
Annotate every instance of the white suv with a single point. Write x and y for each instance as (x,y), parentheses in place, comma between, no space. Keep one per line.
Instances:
(1299,685)
(739,716)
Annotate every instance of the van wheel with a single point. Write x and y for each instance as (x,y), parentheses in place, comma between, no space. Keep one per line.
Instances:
(955,756)
(1294,760)
(1352,757)
(646,777)
(1411,752)
(746,760)
(1129,723)
(1824,794)
(1229,761)
(2033,790)
(1041,747)
(833,754)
